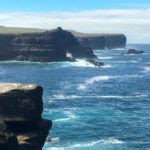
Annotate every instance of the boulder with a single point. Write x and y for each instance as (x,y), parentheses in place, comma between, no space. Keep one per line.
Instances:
(133,51)
(95,62)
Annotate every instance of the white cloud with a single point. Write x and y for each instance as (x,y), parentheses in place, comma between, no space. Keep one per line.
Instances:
(135,23)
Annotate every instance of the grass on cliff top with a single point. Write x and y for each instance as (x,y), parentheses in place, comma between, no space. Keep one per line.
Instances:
(20,31)
(17,30)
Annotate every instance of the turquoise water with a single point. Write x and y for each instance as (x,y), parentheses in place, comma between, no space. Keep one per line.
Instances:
(93,108)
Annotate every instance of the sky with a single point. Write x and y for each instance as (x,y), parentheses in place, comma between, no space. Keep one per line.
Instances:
(130,17)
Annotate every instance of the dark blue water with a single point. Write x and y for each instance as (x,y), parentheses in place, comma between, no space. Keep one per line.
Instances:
(93,108)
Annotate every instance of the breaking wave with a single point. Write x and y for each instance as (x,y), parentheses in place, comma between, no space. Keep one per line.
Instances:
(92,80)
(146,69)
(68,116)
(105,58)
(109,141)
(71,97)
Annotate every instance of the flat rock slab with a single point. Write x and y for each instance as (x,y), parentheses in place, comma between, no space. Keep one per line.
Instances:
(7,87)
(21,102)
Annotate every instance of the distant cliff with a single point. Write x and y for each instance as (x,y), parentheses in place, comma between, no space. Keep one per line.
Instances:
(53,45)
(102,41)
(44,47)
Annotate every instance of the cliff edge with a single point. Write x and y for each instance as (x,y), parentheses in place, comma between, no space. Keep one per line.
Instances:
(42,47)
(102,41)
(21,125)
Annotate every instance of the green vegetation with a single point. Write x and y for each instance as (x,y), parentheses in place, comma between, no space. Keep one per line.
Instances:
(17,30)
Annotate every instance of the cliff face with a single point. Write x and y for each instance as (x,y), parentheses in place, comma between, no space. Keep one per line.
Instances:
(21,125)
(102,41)
(46,46)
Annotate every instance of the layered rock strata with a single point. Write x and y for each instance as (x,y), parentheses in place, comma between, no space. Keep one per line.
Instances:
(42,47)
(103,41)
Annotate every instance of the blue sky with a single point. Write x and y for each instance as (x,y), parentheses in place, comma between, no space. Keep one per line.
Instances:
(69,5)
(130,17)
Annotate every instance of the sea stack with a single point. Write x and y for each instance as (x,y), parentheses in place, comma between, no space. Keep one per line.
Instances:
(21,124)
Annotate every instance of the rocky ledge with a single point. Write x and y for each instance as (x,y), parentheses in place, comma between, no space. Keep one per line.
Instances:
(21,124)
(42,47)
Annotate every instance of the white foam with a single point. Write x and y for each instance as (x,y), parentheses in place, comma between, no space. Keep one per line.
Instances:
(90,144)
(133,61)
(92,81)
(120,49)
(107,66)
(72,97)
(55,140)
(105,58)
(62,96)
(146,69)
(52,140)
(112,141)
(139,94)
(69,116)
(82,63)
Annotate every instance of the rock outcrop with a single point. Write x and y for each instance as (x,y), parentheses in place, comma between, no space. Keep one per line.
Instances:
(95,63)
(44,47)
(133,51)
(102,41)
(21,125)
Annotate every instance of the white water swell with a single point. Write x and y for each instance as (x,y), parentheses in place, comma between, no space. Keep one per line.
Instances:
(92,80)
(72,97)
(98,143)
(146,69)
(68,116)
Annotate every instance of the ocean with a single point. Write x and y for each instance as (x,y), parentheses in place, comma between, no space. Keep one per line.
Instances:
(93,108)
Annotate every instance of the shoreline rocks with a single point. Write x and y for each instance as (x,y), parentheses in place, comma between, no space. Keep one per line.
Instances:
(133,51)
(95,63)
(22,127)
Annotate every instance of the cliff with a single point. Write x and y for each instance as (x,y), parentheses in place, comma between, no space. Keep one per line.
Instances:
(21,125)
(44,47)
(102,41)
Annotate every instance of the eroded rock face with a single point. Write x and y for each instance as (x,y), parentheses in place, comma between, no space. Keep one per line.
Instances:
(21,124)
(42,47)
